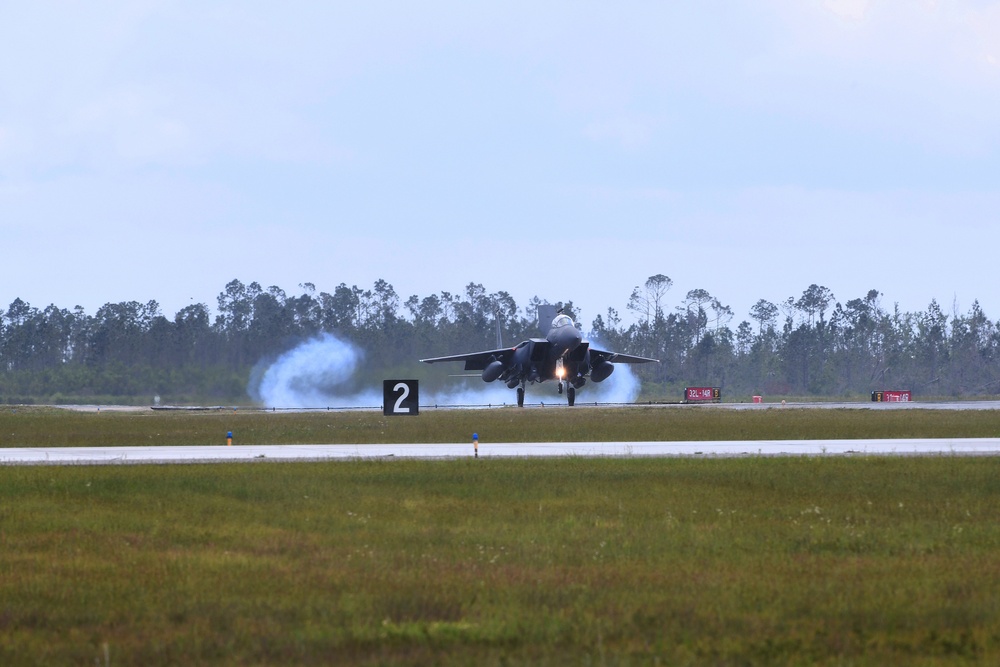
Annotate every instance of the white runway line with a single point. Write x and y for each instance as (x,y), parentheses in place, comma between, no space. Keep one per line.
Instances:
(249,453)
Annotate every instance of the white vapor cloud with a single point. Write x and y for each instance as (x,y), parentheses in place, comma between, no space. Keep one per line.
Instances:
(320,373)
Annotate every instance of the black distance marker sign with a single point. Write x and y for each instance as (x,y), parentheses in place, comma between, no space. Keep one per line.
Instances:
(400,397)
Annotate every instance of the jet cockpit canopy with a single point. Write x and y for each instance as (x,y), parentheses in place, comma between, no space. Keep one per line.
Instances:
(562,321)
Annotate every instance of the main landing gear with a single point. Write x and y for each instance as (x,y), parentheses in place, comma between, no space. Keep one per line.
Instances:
(570,393)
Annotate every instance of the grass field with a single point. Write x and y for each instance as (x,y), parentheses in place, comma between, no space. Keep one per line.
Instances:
(754,561)
(55,427)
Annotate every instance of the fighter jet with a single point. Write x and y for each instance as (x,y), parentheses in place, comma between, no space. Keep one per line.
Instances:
(562,356)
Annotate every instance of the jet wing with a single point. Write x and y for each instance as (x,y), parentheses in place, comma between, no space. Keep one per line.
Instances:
(619,358)
(475,361)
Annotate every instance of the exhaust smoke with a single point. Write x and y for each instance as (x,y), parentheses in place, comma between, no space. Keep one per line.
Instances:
(320,373)
(317,373)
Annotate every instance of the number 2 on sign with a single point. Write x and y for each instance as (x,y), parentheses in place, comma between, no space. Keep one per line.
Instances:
(402,397)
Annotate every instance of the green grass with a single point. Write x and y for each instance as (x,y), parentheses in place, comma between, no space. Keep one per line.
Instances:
(566,561)
(753,561)
(33,427)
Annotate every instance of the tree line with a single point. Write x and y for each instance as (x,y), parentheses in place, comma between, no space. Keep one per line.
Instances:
(809,345)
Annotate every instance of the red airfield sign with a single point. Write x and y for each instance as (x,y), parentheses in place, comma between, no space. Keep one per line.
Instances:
(891,396)
(694,394)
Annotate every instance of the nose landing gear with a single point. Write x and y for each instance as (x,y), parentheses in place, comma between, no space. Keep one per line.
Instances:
(570,391)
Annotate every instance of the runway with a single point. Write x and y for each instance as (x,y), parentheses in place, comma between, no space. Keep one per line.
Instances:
(259,453)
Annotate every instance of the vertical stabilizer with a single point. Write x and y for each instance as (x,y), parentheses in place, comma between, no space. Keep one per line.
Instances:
(546,313)
(499,335)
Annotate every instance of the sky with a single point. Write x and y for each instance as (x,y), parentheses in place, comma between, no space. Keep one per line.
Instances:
(156,150)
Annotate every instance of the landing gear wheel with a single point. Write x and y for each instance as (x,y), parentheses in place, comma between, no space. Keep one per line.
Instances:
(571,394)
(559,390)
(520,397)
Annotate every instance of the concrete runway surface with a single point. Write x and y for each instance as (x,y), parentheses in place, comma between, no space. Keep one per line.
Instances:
(222,454)
(249,453)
